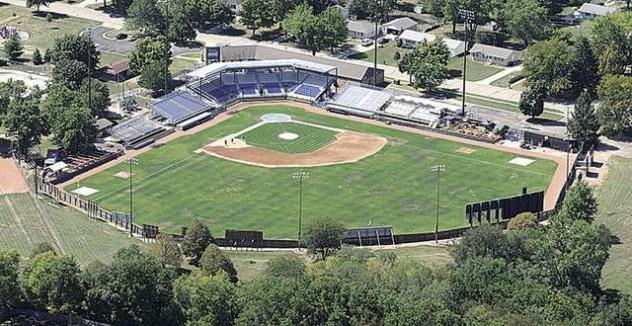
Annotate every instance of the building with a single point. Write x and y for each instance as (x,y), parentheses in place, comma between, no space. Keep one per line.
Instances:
(118,71)
(494,54)
(591,11)
(398,25)
(413,39)
(235,5)
(361,29)
(346,69)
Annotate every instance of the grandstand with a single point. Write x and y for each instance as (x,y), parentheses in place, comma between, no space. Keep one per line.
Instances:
(135,132)
(418,110)
(179,106)
(359,100)
(226,82)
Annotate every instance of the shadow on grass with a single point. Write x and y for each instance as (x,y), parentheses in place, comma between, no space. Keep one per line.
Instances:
(54,16)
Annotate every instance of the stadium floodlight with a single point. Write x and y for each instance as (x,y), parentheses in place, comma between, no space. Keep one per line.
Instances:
(469,16)
(89,32)
(437,168)
(300,176)
(131,161)
(166,3)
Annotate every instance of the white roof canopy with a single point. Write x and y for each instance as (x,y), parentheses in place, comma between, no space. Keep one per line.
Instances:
(220,66)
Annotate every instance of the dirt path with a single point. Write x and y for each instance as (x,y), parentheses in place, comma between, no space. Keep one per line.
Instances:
(11,180)
(550,198)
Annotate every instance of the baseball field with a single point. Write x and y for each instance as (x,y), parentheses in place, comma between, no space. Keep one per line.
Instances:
(391,184)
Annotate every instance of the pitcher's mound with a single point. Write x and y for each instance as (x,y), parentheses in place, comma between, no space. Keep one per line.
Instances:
(288,136)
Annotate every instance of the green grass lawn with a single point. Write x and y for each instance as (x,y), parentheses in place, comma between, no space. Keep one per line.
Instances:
(27,221)
(615,209)
(385,55)
(309,138)
(42,34)
(584,29)
(475,70)
(174,185)
(504,82)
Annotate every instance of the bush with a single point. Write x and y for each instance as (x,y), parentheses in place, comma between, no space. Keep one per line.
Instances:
(37,57)
(522,221)
(491,38)
(397,56)
(48,56)
(13,48)
(399,43)
(49,17)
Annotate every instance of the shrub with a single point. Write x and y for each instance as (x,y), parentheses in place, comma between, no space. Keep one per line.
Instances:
(522,221)
(37,57)
(490,38)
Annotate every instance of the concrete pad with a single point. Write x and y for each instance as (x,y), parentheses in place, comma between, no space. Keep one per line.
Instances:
(85,191)
(521,161)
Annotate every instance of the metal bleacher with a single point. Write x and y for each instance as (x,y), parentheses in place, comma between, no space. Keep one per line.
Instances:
(136,129)
(179,106)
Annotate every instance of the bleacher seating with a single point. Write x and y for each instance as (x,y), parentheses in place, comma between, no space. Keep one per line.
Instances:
(135,129)
(308,90)
(179,106)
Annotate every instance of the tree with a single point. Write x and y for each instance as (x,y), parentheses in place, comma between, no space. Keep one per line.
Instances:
(206,299)
(153,77)
(37,57)
(121,6)
(489,241)
(282,8)
(10,91)
(134,290)
(612,43)
(427,66)
(42,247)
(10,291)
(74,130)
(214,261)
(13,48)
(583,125)
(167,249)
(323,237)
(587,68)
(52,281)
(148,50)
(147,16)
(571,253)
(75,47)
(551,65)
(580,203)
(71,73)
(37,4)
(256,14)
(303,25)
(285,266)
(522,221)
(60,97)
(615,107)
(220,14)
(48,55)
(181,27)
(526,20)
(332,27)
(23,122)
(100,97)
(197,238)
(532,101)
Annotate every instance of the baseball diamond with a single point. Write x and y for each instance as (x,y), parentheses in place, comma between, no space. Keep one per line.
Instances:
(394,185)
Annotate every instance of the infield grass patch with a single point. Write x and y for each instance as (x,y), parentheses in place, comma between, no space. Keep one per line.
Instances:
(173,185)
(309,138)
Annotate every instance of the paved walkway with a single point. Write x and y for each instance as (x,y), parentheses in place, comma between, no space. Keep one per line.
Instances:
(499,75)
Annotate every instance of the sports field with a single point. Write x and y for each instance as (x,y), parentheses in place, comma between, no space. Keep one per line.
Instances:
(308,139)
(174,184)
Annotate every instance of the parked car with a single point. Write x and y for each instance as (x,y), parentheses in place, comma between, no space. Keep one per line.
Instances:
(367,42)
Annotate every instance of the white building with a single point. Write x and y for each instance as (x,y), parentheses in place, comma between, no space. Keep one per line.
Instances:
(413,39)
(361,29)
(494,54)
(591,11)
(398,26)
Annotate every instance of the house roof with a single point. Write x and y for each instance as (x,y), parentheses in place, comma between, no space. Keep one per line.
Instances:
(118,67)
(595,9)
(346,69)
(452,44)
(493,51)
(361,26)
(400,23)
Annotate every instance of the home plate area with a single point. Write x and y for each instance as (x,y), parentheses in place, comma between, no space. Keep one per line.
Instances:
(521,161)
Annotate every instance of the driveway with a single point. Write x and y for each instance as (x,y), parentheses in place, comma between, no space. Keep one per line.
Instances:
(124,47)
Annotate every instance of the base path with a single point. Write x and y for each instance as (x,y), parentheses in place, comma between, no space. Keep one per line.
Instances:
(348,147)
(11,180)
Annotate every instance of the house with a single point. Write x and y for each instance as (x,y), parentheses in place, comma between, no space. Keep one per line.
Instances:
(398,25)
(343,11)
(413,39)
(494,54)
(361,29)
(118,71)
(591,11)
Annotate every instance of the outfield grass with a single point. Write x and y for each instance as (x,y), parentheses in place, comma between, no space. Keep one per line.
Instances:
(310,138)
(174,185)
(615,209)
(26,221)
(42,34)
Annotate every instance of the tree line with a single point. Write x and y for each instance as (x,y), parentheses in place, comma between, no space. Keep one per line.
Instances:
(531,274)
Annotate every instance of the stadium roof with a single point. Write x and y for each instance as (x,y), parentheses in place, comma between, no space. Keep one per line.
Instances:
(346,69)
(296,63)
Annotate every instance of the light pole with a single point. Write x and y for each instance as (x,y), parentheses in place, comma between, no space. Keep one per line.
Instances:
(468,17)
(89,32)
(132,161)
(300,176)
(437,168)
(165,3)
(377,15)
